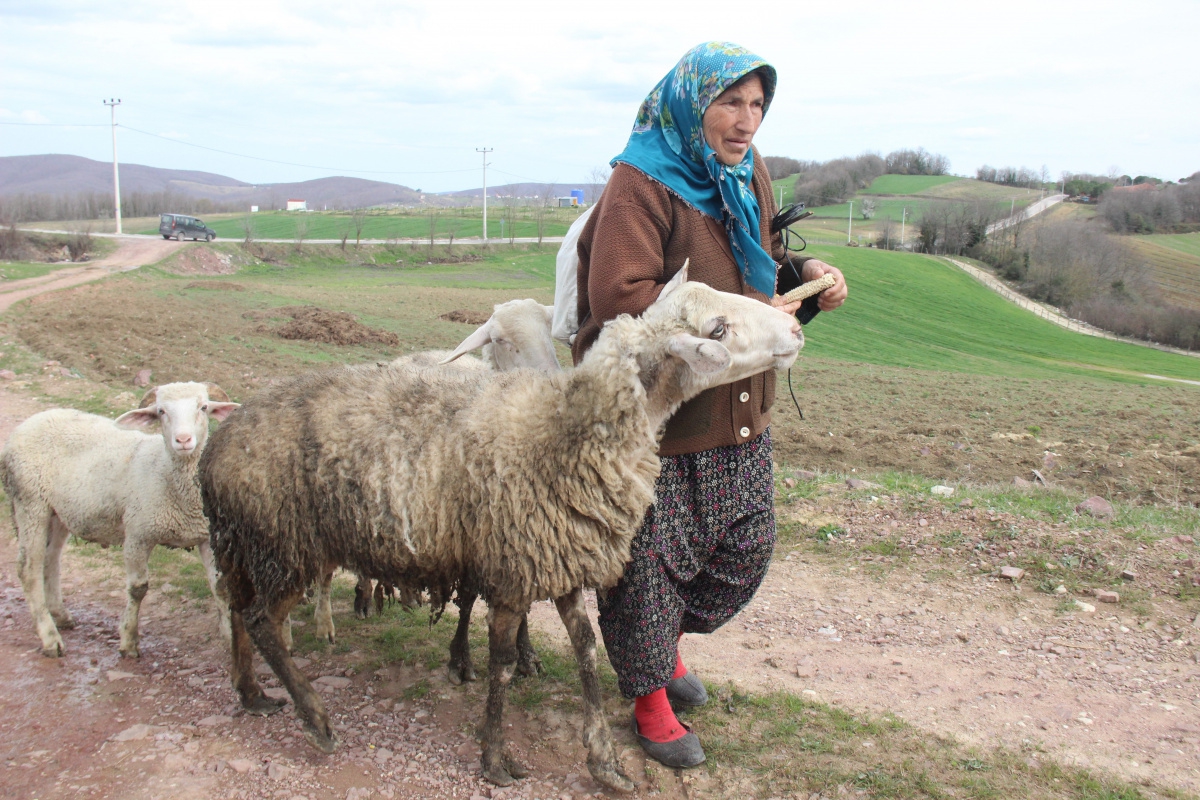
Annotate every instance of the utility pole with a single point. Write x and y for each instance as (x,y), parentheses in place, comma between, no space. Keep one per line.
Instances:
(903,219)
(850,222)
(112,104)
(485,151)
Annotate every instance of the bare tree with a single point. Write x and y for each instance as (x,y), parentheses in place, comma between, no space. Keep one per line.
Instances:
(359,218)
(543,211)
(597,179)
(867,207)
(301,231)
(248,228)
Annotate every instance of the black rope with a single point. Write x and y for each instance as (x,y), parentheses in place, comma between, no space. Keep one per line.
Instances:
(789,215)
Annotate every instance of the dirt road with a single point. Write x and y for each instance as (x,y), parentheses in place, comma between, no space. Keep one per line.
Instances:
(130,254)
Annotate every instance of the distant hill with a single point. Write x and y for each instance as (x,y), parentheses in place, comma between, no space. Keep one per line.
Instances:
(530,190)
(57,175)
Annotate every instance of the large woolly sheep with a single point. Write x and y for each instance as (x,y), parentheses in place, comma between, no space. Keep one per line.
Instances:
(70,472)
(531,485)
(515,336)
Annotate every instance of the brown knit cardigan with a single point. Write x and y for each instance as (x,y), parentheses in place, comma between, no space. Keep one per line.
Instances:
(635,241)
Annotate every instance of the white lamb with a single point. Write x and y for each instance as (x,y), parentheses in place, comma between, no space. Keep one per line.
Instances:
(70,472)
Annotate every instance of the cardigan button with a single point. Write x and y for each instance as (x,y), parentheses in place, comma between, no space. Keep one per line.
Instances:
(744,397)
(745,432)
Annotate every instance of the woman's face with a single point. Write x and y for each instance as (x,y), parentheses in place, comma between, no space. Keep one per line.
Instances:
(733,118)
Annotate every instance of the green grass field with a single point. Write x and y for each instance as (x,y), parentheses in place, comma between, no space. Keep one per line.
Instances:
(467,222)
(1174,261)
(1183,242)
(907,184)
(913,311)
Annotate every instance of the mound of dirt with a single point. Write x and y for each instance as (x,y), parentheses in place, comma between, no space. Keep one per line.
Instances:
(464,316)
(202,261)
(313,324)
(216,286)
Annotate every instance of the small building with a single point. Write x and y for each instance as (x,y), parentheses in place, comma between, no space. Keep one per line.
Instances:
(577,194)
(297,205)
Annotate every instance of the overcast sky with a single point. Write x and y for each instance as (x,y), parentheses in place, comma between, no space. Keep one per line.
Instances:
(405,91)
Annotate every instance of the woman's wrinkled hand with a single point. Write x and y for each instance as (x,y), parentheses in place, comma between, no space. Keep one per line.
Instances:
(832,297)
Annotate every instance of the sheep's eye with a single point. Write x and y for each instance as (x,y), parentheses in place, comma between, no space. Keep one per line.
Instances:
(718,332)
(204,407)
(161,412)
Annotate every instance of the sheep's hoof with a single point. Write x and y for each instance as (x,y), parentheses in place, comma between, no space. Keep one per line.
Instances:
(264,706)
(528,664)
(131,651)
(461,672)
(63,620)
(325,741)
(610,776)
(505,771)
(53,650)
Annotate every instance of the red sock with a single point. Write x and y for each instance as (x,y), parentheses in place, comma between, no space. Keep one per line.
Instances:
(656,721)
(680,669)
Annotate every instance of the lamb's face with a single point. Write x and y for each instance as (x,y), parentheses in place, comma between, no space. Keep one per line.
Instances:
(182,410)
(756,336)
(519,332)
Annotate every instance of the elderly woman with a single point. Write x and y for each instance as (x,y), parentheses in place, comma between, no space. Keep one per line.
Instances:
(689,185)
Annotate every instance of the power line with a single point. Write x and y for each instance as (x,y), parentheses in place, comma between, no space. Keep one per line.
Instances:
(55,124)
(294,164)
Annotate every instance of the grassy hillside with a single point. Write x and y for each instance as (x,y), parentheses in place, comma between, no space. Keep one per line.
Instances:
(1174,261)
(913,311)
(907,184)
(411,225)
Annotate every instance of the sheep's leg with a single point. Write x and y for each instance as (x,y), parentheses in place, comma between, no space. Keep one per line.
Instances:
(33,533)
(57,538)
(235,587)
(323,611)
(410,597)
(218,593)
(263,624)
(379,599)
(528,663)
(460,667)
(362,598)
(602,757)
(499,766)
(137,583)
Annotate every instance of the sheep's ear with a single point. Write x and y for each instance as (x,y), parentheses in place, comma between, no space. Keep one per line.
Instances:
(675,282)
(138,418)
(150,398)
(219,411)
(702,355)
(549,314)
(216,393)
(481,336)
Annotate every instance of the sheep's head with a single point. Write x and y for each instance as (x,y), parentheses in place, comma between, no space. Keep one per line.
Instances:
(516,335)
(183,411)
(723,337)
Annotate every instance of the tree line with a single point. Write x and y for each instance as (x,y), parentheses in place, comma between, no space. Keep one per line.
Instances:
(823,183)
(19,208)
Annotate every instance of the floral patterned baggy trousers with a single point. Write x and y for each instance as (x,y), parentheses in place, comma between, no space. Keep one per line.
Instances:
(699,557)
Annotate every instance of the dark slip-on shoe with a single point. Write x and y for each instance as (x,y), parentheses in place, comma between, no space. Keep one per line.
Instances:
(686,692)
(684,752)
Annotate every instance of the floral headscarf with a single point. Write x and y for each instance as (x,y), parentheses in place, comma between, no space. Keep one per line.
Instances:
(668,145)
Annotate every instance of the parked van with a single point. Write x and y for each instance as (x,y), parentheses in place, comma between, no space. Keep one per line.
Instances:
(180,227)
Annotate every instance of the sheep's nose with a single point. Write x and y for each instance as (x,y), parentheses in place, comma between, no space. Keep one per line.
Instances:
(184,439)
(795,329)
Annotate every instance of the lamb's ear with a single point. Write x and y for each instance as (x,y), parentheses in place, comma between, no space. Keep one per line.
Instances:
(481,336)
(549,313)
(138,418)
(702,355)
(675,282)
(216,393)
(150,398)
(219,411)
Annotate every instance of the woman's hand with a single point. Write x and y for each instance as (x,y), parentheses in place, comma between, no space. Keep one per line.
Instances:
(832,297)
